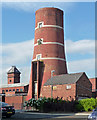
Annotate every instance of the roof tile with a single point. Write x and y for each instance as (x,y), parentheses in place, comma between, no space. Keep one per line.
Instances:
(64,79)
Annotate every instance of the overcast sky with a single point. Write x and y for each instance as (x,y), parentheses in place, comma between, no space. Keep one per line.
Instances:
(18,24)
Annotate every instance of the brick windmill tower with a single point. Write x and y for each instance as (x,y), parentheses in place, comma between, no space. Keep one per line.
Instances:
(48,49)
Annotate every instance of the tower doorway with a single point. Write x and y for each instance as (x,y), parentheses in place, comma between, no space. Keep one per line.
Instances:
(35,79)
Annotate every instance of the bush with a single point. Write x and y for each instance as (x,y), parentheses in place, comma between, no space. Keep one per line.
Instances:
(51,104)
(86,104)
(79,106)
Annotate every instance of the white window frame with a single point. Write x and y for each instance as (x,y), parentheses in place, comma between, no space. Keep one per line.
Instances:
(42,23)
(38,55)
(41,40)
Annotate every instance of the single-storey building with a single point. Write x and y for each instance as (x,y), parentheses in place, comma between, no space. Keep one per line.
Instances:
(68,86)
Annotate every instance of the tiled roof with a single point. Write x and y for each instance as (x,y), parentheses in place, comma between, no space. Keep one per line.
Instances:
(13,70)
(14,85)
(64,79)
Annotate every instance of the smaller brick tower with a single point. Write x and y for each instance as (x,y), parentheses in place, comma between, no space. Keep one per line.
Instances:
(13,75)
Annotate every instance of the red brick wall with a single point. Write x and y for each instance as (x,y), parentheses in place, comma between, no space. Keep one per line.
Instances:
(10,94)
(11,77)
(30,90)
(84,86)
(44,14)
(15,78)
(60,91)
(93,81)
(25,89)
(50,16)
(16,101)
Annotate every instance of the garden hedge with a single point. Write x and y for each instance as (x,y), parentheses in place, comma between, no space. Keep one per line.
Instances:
(51,104)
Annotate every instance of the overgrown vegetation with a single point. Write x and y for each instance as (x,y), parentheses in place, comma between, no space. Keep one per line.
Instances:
(51,104)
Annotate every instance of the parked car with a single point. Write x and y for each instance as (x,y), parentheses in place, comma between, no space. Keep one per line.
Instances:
(6,109)
(93,115)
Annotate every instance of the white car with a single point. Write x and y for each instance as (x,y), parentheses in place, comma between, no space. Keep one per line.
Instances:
(93,115)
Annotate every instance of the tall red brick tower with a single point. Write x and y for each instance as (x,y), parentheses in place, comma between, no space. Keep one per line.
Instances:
(48,49)
(13,75)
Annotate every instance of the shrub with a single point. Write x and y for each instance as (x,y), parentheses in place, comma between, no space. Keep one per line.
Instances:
(79,107)
(86,104)
(57,104)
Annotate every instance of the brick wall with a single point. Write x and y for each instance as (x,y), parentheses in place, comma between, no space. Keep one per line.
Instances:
(84,86)
(60,91)
(13,78)
(44,14)
(16,101)
(93,81)
(54,51)
(11,88)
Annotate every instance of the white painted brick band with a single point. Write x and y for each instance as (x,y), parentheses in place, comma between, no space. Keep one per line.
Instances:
(50,43)
(55,26)
(50,58)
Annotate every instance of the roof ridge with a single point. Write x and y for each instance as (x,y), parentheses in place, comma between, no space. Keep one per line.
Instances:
(69,74)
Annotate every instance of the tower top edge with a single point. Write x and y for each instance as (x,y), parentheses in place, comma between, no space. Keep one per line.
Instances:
(48,8)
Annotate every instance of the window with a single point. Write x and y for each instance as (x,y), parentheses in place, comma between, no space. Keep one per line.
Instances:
(40,24)
(54,87)
(21,90)
(3,91)
(6,90)
(38,56)
(40,41)
(10,90)
(17,90)
(68,87)
(13,89)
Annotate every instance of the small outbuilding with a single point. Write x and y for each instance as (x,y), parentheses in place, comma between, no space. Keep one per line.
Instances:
(68,86)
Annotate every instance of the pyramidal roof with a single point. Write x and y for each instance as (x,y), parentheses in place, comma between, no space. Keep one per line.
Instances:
(13,70)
